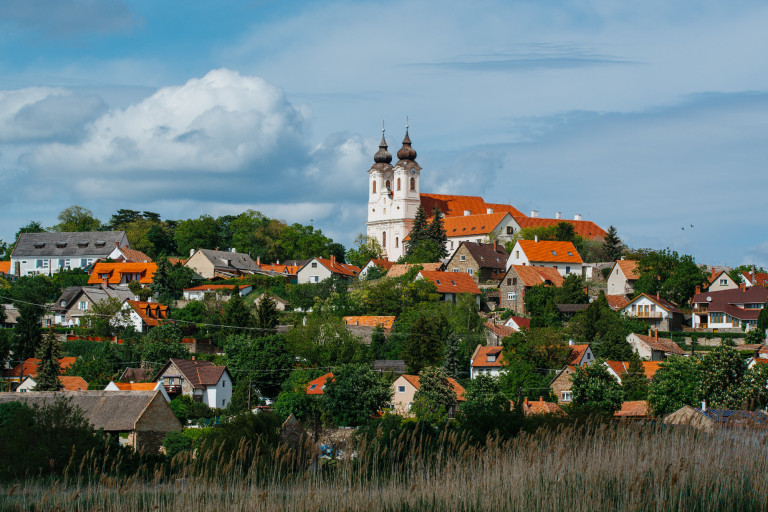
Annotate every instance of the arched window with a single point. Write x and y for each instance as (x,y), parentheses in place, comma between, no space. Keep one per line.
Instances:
(374,187)
(413,183)
(384,239)
(398,183)
(388,185)
(396,242)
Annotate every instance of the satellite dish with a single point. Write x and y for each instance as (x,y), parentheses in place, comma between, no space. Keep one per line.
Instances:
(709,299)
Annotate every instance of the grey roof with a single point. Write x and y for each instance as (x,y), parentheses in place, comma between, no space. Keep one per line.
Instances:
(11,314)
(390,365)
(95,293)
(86,243)
(114,411)
(234,260)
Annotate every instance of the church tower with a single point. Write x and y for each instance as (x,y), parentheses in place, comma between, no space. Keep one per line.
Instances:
(393,196)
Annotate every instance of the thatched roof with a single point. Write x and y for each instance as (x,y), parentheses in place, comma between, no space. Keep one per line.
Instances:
(114,411)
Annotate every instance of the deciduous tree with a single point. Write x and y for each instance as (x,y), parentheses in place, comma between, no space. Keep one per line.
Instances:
(435,397)
(595,390)
(355,395)
(675,384)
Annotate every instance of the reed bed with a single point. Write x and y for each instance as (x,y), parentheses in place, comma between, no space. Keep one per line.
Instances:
(587,468)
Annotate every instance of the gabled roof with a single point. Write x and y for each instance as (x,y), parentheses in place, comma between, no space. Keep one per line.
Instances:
(136,374)
(382,264)
(30,366)
(501,331)
(469,225)
(451,282)
(633,409)
(532,276)
(620,367)
(5,267)
(577,353)
(414,381)
(629,269)
(661,344)
(400,269)
(198,373)
(135,386)
(549,251)
(480,357)
(520,321)
(73,383)
(452,205)
(583,228)
(725,301)
(486,255)
(228,261)
(385,322)
(289,270)
(541,407)
(664,304)
(85,243)
(342,269)
(115,271)
(756,278)
(316,386)
(616,302)
(134,255)
(150,312)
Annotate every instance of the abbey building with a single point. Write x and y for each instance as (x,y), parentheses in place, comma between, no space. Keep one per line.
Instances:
(394,195)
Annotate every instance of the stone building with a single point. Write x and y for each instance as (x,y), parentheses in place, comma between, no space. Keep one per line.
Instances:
(520,278)
(484,262)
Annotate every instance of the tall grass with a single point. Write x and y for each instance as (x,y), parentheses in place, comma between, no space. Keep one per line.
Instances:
(585,468)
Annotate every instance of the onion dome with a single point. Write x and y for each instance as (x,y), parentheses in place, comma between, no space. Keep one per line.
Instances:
(382,156)
(406,152)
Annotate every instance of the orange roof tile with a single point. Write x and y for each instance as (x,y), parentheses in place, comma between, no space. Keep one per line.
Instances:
(452,282)
(662,344)
(315,386)
(541,407)
(628,268)
(616,302)
(344,269)
(583,228)
(134,255)
(72,383)
(30,366)
(400,269)
(114,272)
(371,321)
(532,276)
(550,251)
(452,205)
(502,331)
(620,367)
(480,357)
(756,278)
(282,269)
(136,386)
(5,267)
(633,409)
(382,264)
(577,353)
(178,261)
(467,225)
(414,380)
(150,312)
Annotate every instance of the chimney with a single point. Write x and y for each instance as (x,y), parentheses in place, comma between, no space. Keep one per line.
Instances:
(577,216)
(743,287)
(541,399)
(650,332)
(194,358)
(570,341)
(258,261)
(489,210)
(536,238)
(467,212)
(698,290)
(333,260)
(232,249)
(704,405)
(656,335)
(495,246)
(657,296)
(714,273)
(525,401)
(104,281)
(534,213)
(191,252)
(558,215)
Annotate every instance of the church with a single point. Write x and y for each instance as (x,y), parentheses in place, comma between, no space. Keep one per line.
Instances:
(394,195)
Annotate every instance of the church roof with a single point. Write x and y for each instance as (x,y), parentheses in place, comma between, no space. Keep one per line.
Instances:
(467,225)
(583,228)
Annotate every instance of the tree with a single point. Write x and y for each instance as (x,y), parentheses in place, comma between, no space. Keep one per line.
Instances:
(160,344)
(571,291)
(378,343)
(675,384)
(762,321)
(267,315)
(452,361)
(28,333)
(263,361)
(106,317)
(48,369)
(486,410)
(721,372)
(673,276)
(418,231)
(324,341)
(236,312)
(161,283)
(595,390)
(200,233)
(752,393)
(522,378)
(612,245)
(354,395)
(564,232)
(293,398)
(633,381)
(423,344)
(435,397)
(540,303)
(604,329)
(436,232)
(364,248)
(77,218)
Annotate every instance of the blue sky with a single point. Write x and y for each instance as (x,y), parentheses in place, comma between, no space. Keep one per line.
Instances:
(650,116)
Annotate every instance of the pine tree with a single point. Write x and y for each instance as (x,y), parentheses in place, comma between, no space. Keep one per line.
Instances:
(436,232)
(419,230)
(762,321)
(236,312)
(452,364)
(634,381)
(161,282)
(267,315)
(48,369)
(28,333)
(612,245)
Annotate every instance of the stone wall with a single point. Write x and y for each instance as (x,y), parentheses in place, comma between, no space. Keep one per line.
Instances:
(155,423)
(512,283)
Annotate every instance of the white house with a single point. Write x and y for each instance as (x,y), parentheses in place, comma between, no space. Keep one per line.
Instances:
(622,279)
(221,291)
(546,253)
(138,386)
(200,380)
(486,361)
(728,309)
(658,313)
(47,253)
(318,270)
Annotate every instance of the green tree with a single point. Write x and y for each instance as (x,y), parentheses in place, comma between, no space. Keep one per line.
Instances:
(77,218)
(673,276)
(293,398)
(263,361)
(355,394)
(521,378)
(436,232)
(452,360)
(752,393)
(236,313)
(160,344)
(564,232)
(541,305)
(48,369)
(613,248)
(364,248)
(378,343)
(571,291)
(267,314)
(675,384)
(634,382)
(106,317)
(200,233)
(324,341)
(721,372)
(418,231)
(604,329)
(486,410)
(435,397)
(595,390)
(27,333)
(423,345)
(762,321)
(161,282)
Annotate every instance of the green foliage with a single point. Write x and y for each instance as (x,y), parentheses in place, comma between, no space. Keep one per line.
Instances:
(76,218)
(522,378)
(762,320)
(675,384)
(487,410)
(435,397)
(541,347)
(240,438)
(418,231)
(634,382)
(200,233)
(106,317)
(612,245)
(324,341)
(427,241)
(673,276)
(436,233)
(355,394)
(541,305)
(236,313)
(378,342)
(261,360)
(424,344)
(752,393)
(175,443)
(595,390)
(722,370)
(160,344)
(453,361)
(391,297)
(293,399)
(604,328)
(364,249)
(48,369)
(267,314)
(187,409)
(304,242)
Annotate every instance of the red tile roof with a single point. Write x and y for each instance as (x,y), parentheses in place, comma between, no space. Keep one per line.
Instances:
(549,251)
(486,255)
(315,386)
(629,269)
(136,386)
(665,304)
(756,278)
(468,225)
(371,321)
(135,256)
(633,409)
(178,261)
(725,301)
(290,270)
(532,276)
(400,269)
(72,383)
(452,282)
(521,321)
(414,381)
(541,407)
(620,367)
(502,331)
(662,344)
(577,353)
(480,357)
(583,228)
(343,269)
(382,264)
(616,302)
(198,373)
(30,366)
(5,267)
(115,271)
(452,205)
(150,312)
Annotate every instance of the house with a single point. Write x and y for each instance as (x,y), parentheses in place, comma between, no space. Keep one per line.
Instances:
(287,269)
(128,255)
(317,270)
(487,361)
(720,281)
(517,323)
(382,265)
(581,354)
(652,347)
(728,309)
(28,368)
(11,316)
(400,269)
(633,410)
(225,264)
(201,380)
(136,375)
(621,280)
(394,366)
(562,256)
(619,368)
(616,302)
(405,387)
(138,386)
(316,386)
(46,253)
(141,315)
(122,274)
(219,291)
(68,383)
(280,304)
(561,385)
(495,333)
(531,407)
(452,284)
(477,228)
(484,262)
(709,420)
(658,313)
(755,278)
(77,301)
(5,268)
(518,279)
(144,416)
(385,322)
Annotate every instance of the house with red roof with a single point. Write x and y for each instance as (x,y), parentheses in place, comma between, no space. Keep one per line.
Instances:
(122,274)
(127,255)
(316,386)
(141,314)
(138,386)
(653,348)
(382,265)
(401,269)
(622,278)
(755,278)
(721,280)
(28,368)
(487,361)
(68,383)
(404,388)
(519,279)
(452,284)
(219,291)
(201,380)
(318,270)
(562,256)
(728,309)
(619,368)
(658,313)
(531,407)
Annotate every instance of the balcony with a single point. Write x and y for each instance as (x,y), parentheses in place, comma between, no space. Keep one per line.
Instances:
(700,310)
(644,314)
(172,389)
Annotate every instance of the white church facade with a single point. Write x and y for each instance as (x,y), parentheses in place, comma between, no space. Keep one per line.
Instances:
(394,195)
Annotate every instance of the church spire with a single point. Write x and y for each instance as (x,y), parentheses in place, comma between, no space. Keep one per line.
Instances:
(406,152)
(382,156)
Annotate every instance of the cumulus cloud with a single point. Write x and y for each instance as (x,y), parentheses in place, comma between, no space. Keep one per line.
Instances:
(67,18)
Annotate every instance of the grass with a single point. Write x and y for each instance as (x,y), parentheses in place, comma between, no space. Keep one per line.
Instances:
(633,467)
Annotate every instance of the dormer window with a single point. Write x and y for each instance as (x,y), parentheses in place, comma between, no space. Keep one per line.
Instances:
(312,387)
(61,245)
(437,281)
(39,245)
(82,244)
(100,243)
(491,358)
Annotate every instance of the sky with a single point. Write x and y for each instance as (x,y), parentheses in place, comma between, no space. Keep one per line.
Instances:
(650,116)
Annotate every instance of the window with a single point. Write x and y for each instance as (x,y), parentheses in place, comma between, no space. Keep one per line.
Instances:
(510,230)
(567,270)
(397,242)
(723,282)
(312,387)
(83,262)
(570,253)
(384,239)
(509,281)
(63,262)
(223,402)
(565,396)
(314,264)
(387,185)
(41,264)
(517,254)
(456,270)
(511,295)
(413,183)
(82,305)
(491,358)
(398,183)
(374,187)
(401,389)
(514,281)
(462,258)
(314,279)
(451,244)
(553,253)
(223,383)
(471,271)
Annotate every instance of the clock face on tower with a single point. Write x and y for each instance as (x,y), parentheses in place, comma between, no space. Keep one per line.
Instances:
(413,171)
